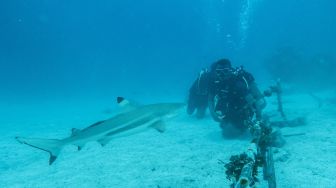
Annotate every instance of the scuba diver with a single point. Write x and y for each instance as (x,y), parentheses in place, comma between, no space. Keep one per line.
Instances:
(231,95)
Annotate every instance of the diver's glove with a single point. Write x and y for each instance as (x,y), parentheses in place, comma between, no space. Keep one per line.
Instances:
(198,95)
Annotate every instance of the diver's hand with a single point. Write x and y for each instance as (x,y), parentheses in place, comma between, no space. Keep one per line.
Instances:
(197,104)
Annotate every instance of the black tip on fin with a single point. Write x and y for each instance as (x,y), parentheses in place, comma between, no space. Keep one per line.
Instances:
(52,159)
(120,99)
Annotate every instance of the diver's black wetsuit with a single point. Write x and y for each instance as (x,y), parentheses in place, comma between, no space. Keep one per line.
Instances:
(232,100)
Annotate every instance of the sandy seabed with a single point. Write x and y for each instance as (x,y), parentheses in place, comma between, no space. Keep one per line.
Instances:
(187,154)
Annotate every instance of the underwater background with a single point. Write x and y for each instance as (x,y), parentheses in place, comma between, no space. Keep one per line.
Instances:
(63,62)
(61,48)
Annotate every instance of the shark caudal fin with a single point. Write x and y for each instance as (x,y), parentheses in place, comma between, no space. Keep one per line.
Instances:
(52,146)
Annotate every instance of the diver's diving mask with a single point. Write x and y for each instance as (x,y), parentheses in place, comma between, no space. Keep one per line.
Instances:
(223,73)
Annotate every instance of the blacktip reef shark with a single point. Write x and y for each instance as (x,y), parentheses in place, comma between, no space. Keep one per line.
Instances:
(131,120)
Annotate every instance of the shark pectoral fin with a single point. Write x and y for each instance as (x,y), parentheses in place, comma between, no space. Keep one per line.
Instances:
(159,126)
(74,131)
(52,146)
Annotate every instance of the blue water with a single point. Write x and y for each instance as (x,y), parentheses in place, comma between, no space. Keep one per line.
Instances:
(81,47)
(62,63)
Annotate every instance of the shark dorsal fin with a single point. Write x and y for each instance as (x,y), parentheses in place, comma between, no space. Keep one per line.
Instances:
(74,131)
(126,105)
(122,101)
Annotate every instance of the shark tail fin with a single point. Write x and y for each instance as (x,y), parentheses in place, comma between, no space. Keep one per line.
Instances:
(52,146)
